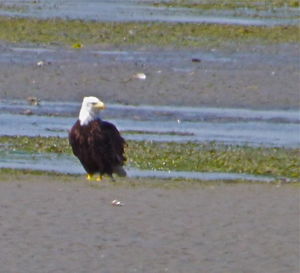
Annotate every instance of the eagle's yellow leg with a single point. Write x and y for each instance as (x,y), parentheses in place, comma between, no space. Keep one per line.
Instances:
(89,177)
(99,178)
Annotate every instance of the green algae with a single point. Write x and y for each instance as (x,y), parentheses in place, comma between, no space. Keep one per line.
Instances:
(199,157)
(86,33)
(215,158)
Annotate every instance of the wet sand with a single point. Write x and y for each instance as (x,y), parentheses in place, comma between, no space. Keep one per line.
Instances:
(259,77)
(49,225)
(53,224)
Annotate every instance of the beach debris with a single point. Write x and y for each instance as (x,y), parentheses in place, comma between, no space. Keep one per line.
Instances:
(40,63)
(117,203)
(77,45)
(27,112)
(140,76)
(32,100)
(196,60)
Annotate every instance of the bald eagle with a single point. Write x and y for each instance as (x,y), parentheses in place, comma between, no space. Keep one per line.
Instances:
(97,143)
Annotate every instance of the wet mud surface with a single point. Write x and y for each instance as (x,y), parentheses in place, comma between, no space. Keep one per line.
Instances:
(259,77)
(49,225)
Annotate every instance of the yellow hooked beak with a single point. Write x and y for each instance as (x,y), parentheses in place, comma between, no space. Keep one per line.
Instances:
(99,105)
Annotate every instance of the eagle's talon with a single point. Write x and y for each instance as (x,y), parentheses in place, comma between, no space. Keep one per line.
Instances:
(89,177)
(99,178)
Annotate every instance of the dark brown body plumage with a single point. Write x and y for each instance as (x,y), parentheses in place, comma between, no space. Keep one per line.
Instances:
(99,147)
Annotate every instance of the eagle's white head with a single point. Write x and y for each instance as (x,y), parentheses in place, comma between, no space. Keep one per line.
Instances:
(90,108)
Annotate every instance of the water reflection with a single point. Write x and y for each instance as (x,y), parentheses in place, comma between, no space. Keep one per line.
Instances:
(70,165)
(161,123)
(134,10)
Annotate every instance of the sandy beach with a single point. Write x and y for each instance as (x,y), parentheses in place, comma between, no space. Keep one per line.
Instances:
(63,224)
(259,77)
(51,224)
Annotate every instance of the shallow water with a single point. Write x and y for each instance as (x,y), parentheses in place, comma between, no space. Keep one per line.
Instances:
(161,123)
(153,112)
(150,123)
(134,10)
(70,165)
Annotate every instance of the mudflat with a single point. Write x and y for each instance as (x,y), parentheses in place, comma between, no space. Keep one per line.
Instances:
(258,77)
(53,224)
